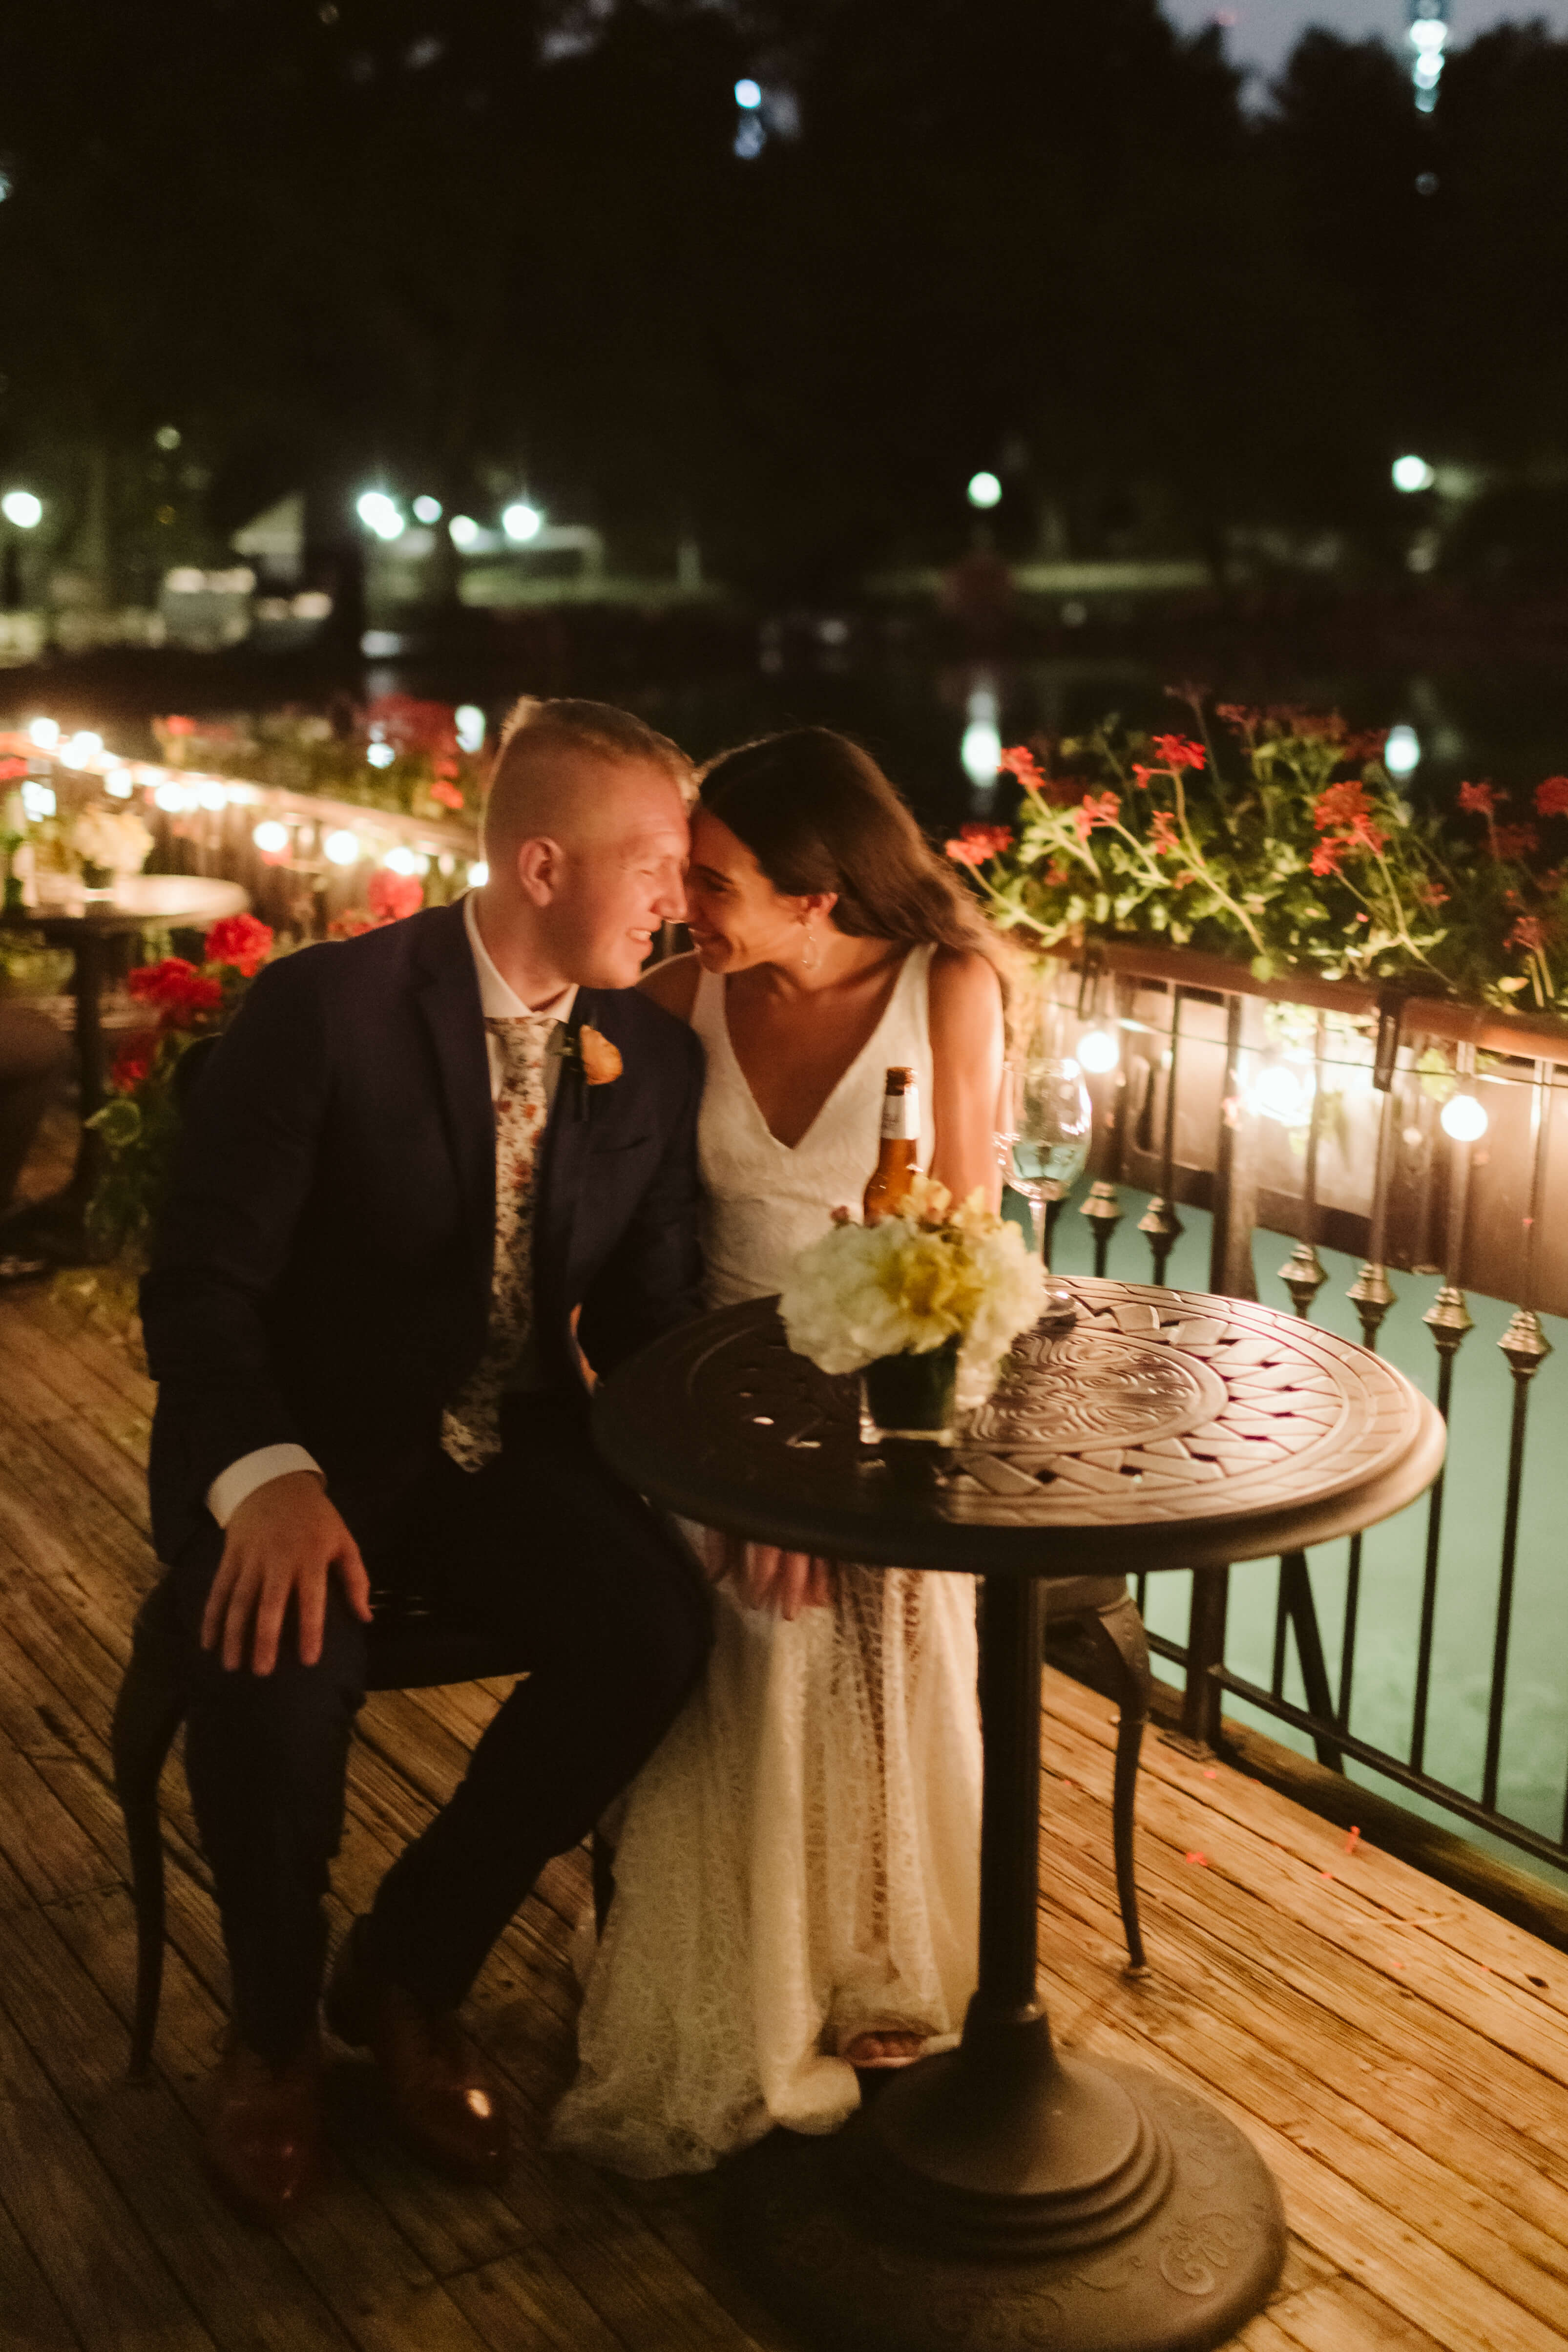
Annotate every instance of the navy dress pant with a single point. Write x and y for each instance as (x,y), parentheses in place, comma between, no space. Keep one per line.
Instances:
(604,1607)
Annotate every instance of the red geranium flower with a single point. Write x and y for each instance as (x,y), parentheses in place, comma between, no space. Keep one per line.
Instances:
(1180,752)
(240,940)
(11,769)
(1341,805)
(1327,856)
(1552,797)
(1432,894)
(179,992)
(1528,932)
(448,794)
(349,927)
(1512,841)
(976,842)
(1091,813)
(391,896)
(1020,761)
(410,725)
(131,1065)
(1478,800)
(1163,832)
(176,725)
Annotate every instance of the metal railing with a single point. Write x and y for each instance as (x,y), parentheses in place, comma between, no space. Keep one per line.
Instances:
(1315,1110)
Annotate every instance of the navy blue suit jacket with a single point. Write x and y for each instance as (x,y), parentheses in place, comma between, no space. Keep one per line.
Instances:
(323,1261)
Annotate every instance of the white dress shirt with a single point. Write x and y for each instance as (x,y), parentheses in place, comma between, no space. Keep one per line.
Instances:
(498,1001)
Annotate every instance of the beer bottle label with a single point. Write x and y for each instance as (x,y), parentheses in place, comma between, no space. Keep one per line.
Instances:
(901,1116)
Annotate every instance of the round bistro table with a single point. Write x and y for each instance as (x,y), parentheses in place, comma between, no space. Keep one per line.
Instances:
(999,2195)
(86,922)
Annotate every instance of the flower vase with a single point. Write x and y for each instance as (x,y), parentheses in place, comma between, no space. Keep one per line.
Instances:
(911,1396)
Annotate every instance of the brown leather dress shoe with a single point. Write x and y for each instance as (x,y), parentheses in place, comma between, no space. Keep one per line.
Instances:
(447,2102)
(264,2144)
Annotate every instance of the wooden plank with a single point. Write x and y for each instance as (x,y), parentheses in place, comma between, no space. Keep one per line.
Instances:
(1526,2263)
(107,1469)
(1344,2317)
(526,2298)
(1467,1928)
(30,2315)
(38,1837)
(1527,2043)
(118,1364)
(1349,2227)
(1475,2145)
(338,2272)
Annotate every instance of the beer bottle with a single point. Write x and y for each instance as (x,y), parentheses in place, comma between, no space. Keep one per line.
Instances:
(895,1167)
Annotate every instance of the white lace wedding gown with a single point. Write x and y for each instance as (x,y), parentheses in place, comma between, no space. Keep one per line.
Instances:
(799,1860)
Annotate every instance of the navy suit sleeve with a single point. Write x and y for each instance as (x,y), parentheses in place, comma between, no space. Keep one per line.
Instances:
(243,1169)
(652,1278)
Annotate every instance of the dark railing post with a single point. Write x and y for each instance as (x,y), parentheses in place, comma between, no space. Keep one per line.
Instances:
(1303,1273)
(1526,1346)
(1104,1206)
(1159,1219)
(1235,1181)
(1450,1320)
(1198,1730)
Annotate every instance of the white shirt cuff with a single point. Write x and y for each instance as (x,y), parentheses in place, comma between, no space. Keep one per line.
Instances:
(230,1487)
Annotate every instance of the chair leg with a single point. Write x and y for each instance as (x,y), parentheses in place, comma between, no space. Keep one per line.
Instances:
(146,1714)
(1120,1633)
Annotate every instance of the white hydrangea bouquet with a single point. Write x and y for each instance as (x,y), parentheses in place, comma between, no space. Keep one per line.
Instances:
(110,841)
(953,1286)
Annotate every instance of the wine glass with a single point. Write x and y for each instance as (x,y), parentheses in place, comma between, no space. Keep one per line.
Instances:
(1043,1134)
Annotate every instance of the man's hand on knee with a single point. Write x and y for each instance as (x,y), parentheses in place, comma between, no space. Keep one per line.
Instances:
(282,1545)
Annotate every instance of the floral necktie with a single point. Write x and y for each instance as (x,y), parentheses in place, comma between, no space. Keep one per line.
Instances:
(471,1426)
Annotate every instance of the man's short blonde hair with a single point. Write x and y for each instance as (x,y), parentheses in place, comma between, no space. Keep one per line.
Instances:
(539,738)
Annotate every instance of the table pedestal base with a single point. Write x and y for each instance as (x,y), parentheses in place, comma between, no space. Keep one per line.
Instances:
(1132,2216)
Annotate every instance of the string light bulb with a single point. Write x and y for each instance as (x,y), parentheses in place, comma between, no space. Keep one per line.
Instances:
(341,847)
(1098,1050)
(1463,1119)
(270,838)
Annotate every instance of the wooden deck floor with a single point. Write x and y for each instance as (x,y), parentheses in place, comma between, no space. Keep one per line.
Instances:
(1399,2055)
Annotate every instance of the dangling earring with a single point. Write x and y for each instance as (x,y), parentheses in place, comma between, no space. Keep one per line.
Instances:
(809,952)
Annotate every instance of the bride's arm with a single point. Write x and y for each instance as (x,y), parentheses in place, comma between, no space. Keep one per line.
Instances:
(966,1004)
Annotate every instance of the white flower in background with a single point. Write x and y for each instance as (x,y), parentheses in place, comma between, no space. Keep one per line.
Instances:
(112,838)
(912,1283)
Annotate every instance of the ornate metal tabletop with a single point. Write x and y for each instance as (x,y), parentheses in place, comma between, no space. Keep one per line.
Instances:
(1166,1429)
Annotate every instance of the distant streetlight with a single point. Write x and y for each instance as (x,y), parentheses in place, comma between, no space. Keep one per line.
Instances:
(1402,751)
(1428,38)
(23,508)
(748,94)
(167,436)
(1412,473)
(463,530)
(427,510)
(343,847)
(470,723)
(521,522)
(378,514)
(985,490)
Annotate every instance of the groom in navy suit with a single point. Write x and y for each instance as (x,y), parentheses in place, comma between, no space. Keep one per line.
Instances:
(428,1172)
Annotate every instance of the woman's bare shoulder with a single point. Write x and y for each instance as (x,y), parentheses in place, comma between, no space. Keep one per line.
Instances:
(673,984)
(965,995)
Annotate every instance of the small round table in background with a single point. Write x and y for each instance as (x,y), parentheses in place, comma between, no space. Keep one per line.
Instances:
(86,922)
(999,2195)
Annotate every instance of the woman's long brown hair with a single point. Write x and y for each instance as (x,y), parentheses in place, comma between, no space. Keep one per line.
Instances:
(817,814)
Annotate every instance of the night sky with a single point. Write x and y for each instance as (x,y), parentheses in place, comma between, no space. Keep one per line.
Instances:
(1262,32)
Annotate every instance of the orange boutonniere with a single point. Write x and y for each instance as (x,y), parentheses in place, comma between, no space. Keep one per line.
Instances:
(589,1050)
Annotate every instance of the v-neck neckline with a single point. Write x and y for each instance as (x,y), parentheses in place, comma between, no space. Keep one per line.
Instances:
(840,1083)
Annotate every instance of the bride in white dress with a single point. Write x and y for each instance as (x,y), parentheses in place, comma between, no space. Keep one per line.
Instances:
(796,1869)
